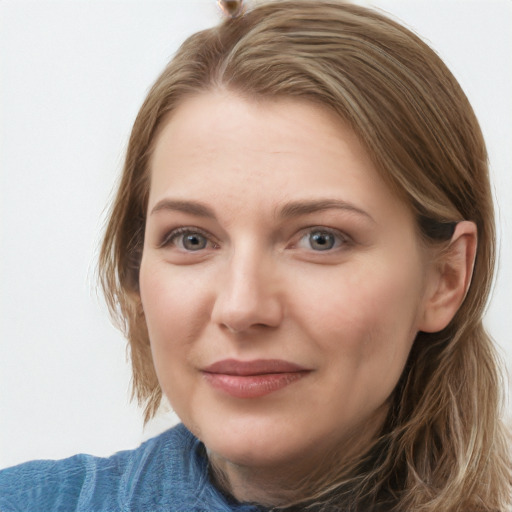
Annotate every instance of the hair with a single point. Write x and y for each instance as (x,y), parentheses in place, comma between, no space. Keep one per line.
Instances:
(444,445)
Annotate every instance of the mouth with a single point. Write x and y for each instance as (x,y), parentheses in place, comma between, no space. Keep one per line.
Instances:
(252,379)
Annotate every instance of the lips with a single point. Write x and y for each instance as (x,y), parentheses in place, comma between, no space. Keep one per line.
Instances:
(252,379)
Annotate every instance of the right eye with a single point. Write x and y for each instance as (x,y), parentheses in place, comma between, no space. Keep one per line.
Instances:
(187,239)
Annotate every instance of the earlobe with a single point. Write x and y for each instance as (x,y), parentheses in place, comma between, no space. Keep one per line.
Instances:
(453,272)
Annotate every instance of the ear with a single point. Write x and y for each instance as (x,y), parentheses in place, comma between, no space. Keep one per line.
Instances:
(449,278)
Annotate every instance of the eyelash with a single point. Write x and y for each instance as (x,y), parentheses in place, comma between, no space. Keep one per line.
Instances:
(342,240)
(170,238)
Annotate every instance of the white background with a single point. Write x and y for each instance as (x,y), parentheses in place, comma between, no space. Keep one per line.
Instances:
(73,74)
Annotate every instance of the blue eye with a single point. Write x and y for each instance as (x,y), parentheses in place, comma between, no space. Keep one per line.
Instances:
(187,240)
(320,240)
(194,241)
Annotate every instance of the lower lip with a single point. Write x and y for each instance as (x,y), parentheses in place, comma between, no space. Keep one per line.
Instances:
(252,386)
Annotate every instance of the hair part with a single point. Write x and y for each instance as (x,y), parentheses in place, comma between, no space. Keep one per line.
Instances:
(445,445)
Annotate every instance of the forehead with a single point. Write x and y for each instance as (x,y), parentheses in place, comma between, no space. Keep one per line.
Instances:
(219,146)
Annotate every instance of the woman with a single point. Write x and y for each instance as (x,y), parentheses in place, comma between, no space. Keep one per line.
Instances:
(300,251)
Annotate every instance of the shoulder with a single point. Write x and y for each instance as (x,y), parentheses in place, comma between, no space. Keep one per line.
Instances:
(127,480)
(168,472)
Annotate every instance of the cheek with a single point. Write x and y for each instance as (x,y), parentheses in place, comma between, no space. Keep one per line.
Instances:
(175,308)
(174,314)
(174,303)
(365,320)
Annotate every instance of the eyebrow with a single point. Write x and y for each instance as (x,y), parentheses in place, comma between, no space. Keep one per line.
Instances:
(298,208)
(291,209)
(191,207)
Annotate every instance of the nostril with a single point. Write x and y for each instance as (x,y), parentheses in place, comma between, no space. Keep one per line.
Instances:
(239,329)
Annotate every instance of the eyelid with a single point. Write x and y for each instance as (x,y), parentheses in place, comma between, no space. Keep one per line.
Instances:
(342,236)
(171,235)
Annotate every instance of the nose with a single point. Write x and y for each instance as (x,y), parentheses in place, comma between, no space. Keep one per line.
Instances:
(249,295)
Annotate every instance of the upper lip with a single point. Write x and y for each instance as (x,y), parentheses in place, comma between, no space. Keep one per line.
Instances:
(255,367)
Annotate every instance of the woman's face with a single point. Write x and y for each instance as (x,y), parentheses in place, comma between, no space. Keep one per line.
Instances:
(282,281)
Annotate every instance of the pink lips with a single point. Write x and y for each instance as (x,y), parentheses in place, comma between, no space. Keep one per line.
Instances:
(252,379)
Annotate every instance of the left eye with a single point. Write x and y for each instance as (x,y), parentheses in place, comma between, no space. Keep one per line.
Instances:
(320,240)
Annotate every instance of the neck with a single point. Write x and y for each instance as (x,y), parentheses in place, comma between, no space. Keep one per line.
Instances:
(298,479)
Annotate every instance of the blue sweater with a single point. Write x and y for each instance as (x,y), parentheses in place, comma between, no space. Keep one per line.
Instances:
(168,472)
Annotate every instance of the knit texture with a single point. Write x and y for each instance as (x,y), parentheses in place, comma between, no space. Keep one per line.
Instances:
(168,472)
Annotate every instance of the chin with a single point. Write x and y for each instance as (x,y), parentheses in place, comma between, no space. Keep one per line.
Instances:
(242,433)
(256,442)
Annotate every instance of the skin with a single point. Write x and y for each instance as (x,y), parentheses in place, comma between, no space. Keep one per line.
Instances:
(259,289)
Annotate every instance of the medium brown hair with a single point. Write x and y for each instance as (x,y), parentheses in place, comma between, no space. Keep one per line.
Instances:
(443,447)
